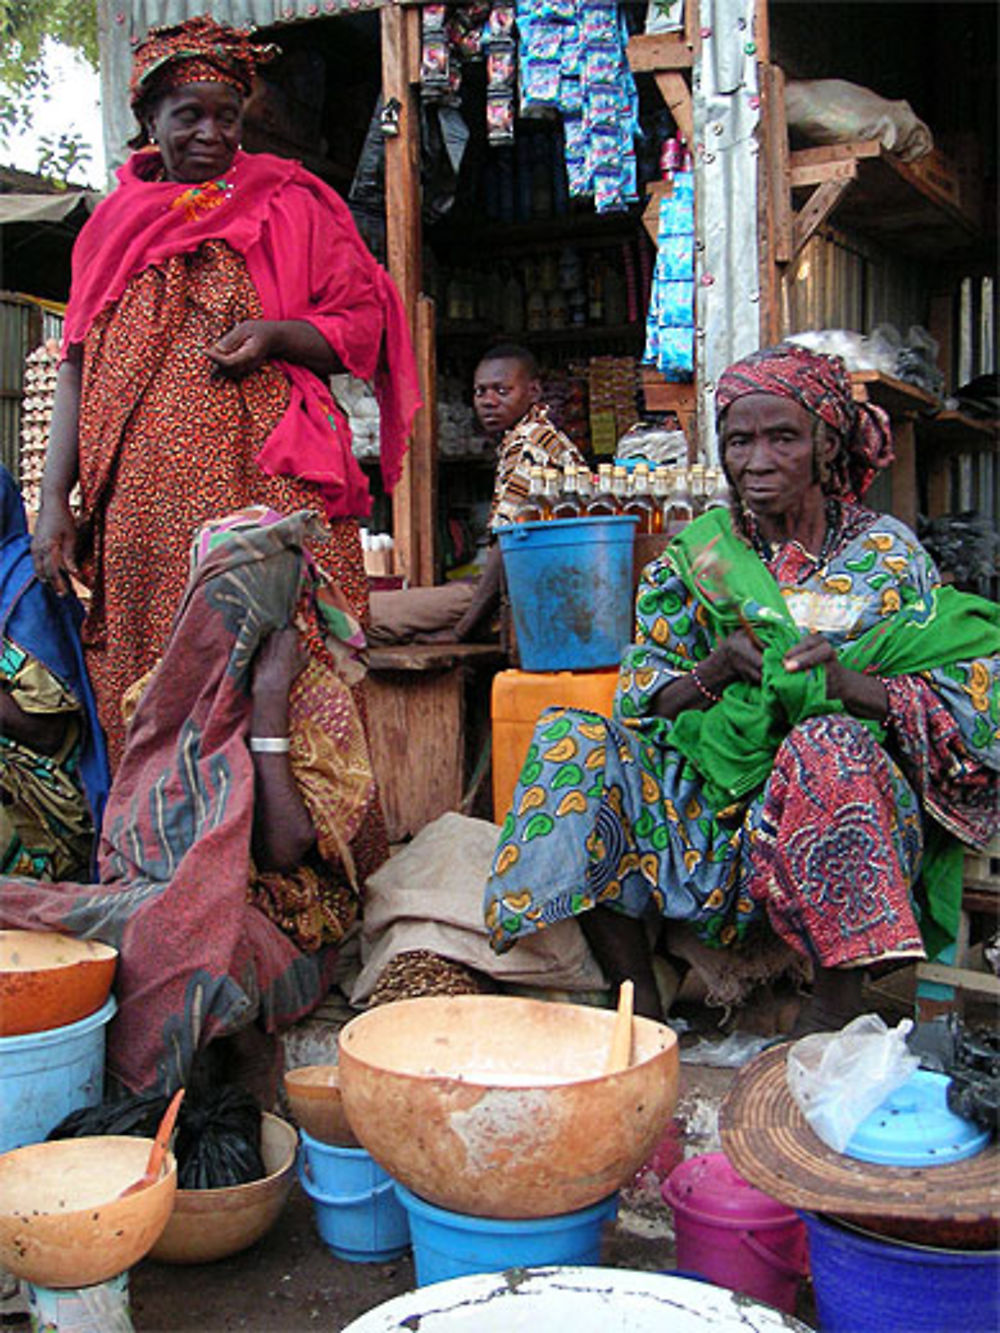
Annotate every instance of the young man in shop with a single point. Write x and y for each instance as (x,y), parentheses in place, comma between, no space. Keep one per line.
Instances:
(506,393)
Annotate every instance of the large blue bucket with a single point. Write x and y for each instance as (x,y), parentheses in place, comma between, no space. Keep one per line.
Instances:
(570,584)
(447,1244)
(357,1213)
(45,1075)
(865,1283)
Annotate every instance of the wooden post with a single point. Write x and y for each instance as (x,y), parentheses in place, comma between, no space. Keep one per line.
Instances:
(400,28)
(904,471)
(423,449)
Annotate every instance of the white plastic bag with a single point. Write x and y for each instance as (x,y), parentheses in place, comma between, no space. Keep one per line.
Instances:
(838,1078)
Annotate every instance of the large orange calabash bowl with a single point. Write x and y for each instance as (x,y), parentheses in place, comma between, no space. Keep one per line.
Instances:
(212,1224)
(499,1107)
(62,1223)
(48,980)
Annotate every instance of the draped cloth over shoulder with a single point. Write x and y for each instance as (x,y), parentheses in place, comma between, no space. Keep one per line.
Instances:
(306,261)
(197,960)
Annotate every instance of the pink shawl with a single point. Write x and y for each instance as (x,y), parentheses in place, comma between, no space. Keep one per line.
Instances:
(307,262)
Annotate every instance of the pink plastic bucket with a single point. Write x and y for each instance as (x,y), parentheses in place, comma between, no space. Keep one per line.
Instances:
(735,1235)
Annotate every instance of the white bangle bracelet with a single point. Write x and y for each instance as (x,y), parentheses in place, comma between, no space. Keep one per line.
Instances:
(270,744)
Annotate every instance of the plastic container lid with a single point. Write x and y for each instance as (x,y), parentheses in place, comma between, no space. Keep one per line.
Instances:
(709,1184)
(914,1127)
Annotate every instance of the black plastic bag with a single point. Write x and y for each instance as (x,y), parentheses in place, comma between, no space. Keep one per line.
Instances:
(218,1141)
(218,1133)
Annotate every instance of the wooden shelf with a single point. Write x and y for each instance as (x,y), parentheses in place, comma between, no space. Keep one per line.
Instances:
(586,230)
(871,191)
(947,429)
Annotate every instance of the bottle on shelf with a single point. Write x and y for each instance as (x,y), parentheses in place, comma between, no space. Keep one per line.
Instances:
(696,484)
(550,489)
(537,315)
(595,291)
(534,507)
(661,490)
(679,509)
(619,485)
(584,488)
(716,489)
(640,501)
(568,503)
(604,502)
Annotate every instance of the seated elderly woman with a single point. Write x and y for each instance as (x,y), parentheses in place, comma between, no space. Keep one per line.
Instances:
(804,727)
(226,880)
(53,765)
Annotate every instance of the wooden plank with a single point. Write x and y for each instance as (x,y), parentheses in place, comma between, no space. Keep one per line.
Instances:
(400,29)
(903,476)
(677,95)
(649,52)
(415,726)
(853,149)
(820,204)
(964,978)
(815,173)
(773,114)
(433,656)
(655,191)
(423,450)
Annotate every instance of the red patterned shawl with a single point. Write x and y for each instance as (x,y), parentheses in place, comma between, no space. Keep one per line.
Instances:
(307,262)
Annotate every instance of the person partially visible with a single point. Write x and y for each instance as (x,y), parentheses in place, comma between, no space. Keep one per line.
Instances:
(805,730)
(226,877)
(507,395)
(53,764)
(214,292)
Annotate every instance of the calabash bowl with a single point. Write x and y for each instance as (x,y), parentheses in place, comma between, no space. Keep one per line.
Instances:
(62,1223)
(48,979)
(212,1224)
(500,1107)
(313,1093)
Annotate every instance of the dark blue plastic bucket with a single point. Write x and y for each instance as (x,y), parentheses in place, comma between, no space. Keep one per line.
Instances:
(570,584)
(865,1283)
(447,1244)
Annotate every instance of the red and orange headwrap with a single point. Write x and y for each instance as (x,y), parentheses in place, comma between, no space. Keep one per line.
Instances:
(821,384)
(198,51)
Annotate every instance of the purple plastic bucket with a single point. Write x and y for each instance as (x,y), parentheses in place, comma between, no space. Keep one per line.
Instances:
(735,1235)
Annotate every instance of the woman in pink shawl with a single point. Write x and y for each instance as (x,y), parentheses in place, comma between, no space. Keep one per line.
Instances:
(214,292)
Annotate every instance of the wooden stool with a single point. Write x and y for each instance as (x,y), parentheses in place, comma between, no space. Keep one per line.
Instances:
(416,695)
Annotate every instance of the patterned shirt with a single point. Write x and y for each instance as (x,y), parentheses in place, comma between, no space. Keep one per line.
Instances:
(533,442)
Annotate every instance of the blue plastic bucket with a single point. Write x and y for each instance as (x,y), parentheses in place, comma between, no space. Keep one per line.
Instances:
(570,584)
(45,1075)
(865,1283)
(447,1244)
(357,1213)
(101,1309)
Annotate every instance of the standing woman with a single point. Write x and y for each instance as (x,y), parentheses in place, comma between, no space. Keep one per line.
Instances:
(214,292)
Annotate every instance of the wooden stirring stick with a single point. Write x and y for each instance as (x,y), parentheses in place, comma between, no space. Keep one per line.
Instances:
(156,1154)
(620,1055)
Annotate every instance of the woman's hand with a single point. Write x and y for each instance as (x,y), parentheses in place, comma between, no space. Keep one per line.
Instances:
(53,544)
(735,657)
(244,348)
(862,695)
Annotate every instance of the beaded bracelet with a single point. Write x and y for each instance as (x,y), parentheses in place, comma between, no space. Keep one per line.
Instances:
(703,689)
(270,744)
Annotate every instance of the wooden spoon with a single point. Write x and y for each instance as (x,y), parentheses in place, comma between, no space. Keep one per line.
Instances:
(620,1055)
(156,1154)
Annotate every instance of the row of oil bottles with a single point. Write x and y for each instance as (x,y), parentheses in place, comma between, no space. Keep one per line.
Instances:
(661,498)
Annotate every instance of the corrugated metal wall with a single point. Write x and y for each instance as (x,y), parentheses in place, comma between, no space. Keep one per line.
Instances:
(23,325)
